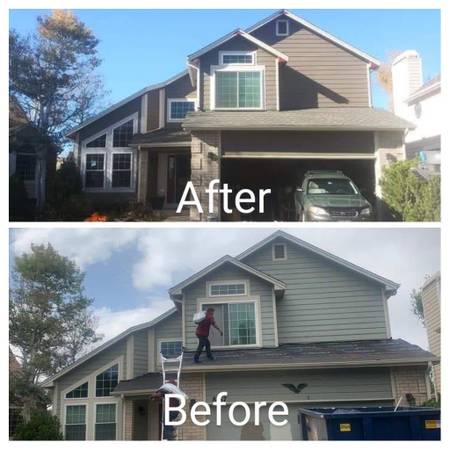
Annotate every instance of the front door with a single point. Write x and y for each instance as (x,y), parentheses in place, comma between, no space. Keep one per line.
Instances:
(178,174)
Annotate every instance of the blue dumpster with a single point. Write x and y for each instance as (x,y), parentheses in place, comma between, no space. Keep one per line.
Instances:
(370,423)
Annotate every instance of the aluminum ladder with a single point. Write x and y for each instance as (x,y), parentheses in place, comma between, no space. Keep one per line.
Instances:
(170,366)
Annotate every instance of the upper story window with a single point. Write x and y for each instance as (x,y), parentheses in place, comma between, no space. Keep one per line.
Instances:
(279,252)
(170,349)
(238,89)
(79,392)
(75,429)
(123,134)
(99,142)
(227,289)
(106,381)
(282,27)
(237,57)
(25,166)
(178,108)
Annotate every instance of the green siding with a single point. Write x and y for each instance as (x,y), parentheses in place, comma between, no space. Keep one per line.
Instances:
(258,287)
(323,301)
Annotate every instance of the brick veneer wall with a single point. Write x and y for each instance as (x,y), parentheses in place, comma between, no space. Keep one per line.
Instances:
(410,380)
(205,166)
(194,386)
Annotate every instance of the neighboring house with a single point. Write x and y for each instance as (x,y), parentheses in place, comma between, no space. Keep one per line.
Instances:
(292,313)
(420,103)
(32,157)
(255,109)
(431,300)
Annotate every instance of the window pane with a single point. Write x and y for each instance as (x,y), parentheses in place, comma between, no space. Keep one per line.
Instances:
(178,110)
(75,414)
(121,176)
(282,27)
(105,432)
(242,323)
(94,176)
(79,392)
(98,142)
(122,135)
(228,289)
(171,349)
(106,413)
(226,89)
(278,251)
(107,381)
(26,167)
(75,433)
(237,59)
(249,89)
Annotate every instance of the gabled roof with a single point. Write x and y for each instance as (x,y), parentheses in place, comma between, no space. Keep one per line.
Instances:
(49,381)
(246,36)
(137,94)
(176,291)
(283,12)
(389,285)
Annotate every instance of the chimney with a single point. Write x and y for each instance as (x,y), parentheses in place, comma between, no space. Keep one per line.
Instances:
(406,79)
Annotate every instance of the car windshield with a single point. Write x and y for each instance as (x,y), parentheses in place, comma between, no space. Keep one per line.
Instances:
(331,186)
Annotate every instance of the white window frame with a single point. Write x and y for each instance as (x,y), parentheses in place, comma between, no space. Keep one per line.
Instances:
(122,151)
(236,68)
(273,252)
(74,386)
(160,341)
(108,402)
(108,151)
(223,53)
(118,362)
(172,100)
(277,32)
(243,299)
(210,284)
(80,402)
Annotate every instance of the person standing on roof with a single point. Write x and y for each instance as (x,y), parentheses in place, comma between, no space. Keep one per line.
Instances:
(202,333)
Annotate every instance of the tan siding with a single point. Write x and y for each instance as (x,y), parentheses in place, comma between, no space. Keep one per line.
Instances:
(319,73)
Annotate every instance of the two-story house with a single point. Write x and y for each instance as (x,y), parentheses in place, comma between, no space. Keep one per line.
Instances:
(255,109)
(291,314)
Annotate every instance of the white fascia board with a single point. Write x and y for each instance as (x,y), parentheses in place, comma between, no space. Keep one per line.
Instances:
(126,100)
(390,285)
(49,381)
(245,35)
(374,62)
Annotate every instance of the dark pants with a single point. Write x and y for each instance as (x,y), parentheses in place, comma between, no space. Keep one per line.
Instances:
(203,342)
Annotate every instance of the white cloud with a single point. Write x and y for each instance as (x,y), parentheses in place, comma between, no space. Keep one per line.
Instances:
(111,323)
(84,246)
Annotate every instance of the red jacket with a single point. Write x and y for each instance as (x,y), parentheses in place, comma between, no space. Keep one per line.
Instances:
(204,326)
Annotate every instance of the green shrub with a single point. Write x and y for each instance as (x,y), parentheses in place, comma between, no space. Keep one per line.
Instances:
(42,426)
(409,197)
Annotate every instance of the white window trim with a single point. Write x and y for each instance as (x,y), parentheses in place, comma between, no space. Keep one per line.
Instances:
(80,402)
(223,53)
(209,285)
(277,33)
(273,252)
(119,362)
(108,151)
(124,151)
(236,68)
(247,299)
(108,402)
(172,100)
(74,386)
(160,341)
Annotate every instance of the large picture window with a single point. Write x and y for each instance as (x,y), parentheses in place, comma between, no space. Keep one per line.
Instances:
(79,392)
(75,429)
(106,381)
(105,422)
(121,171)
(123,134)
(95,170)
(239,321)
(238,89)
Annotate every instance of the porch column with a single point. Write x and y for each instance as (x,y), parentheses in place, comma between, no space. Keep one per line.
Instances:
(127,419)
(389,148)
(205,166)
(142,175)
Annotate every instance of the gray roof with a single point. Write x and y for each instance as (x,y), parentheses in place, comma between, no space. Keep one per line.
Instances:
(321,119)
(163,135)
(144,383)
(383,352)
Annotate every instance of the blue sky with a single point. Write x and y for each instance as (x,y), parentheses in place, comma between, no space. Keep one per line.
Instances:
(142,47)
(128,271)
